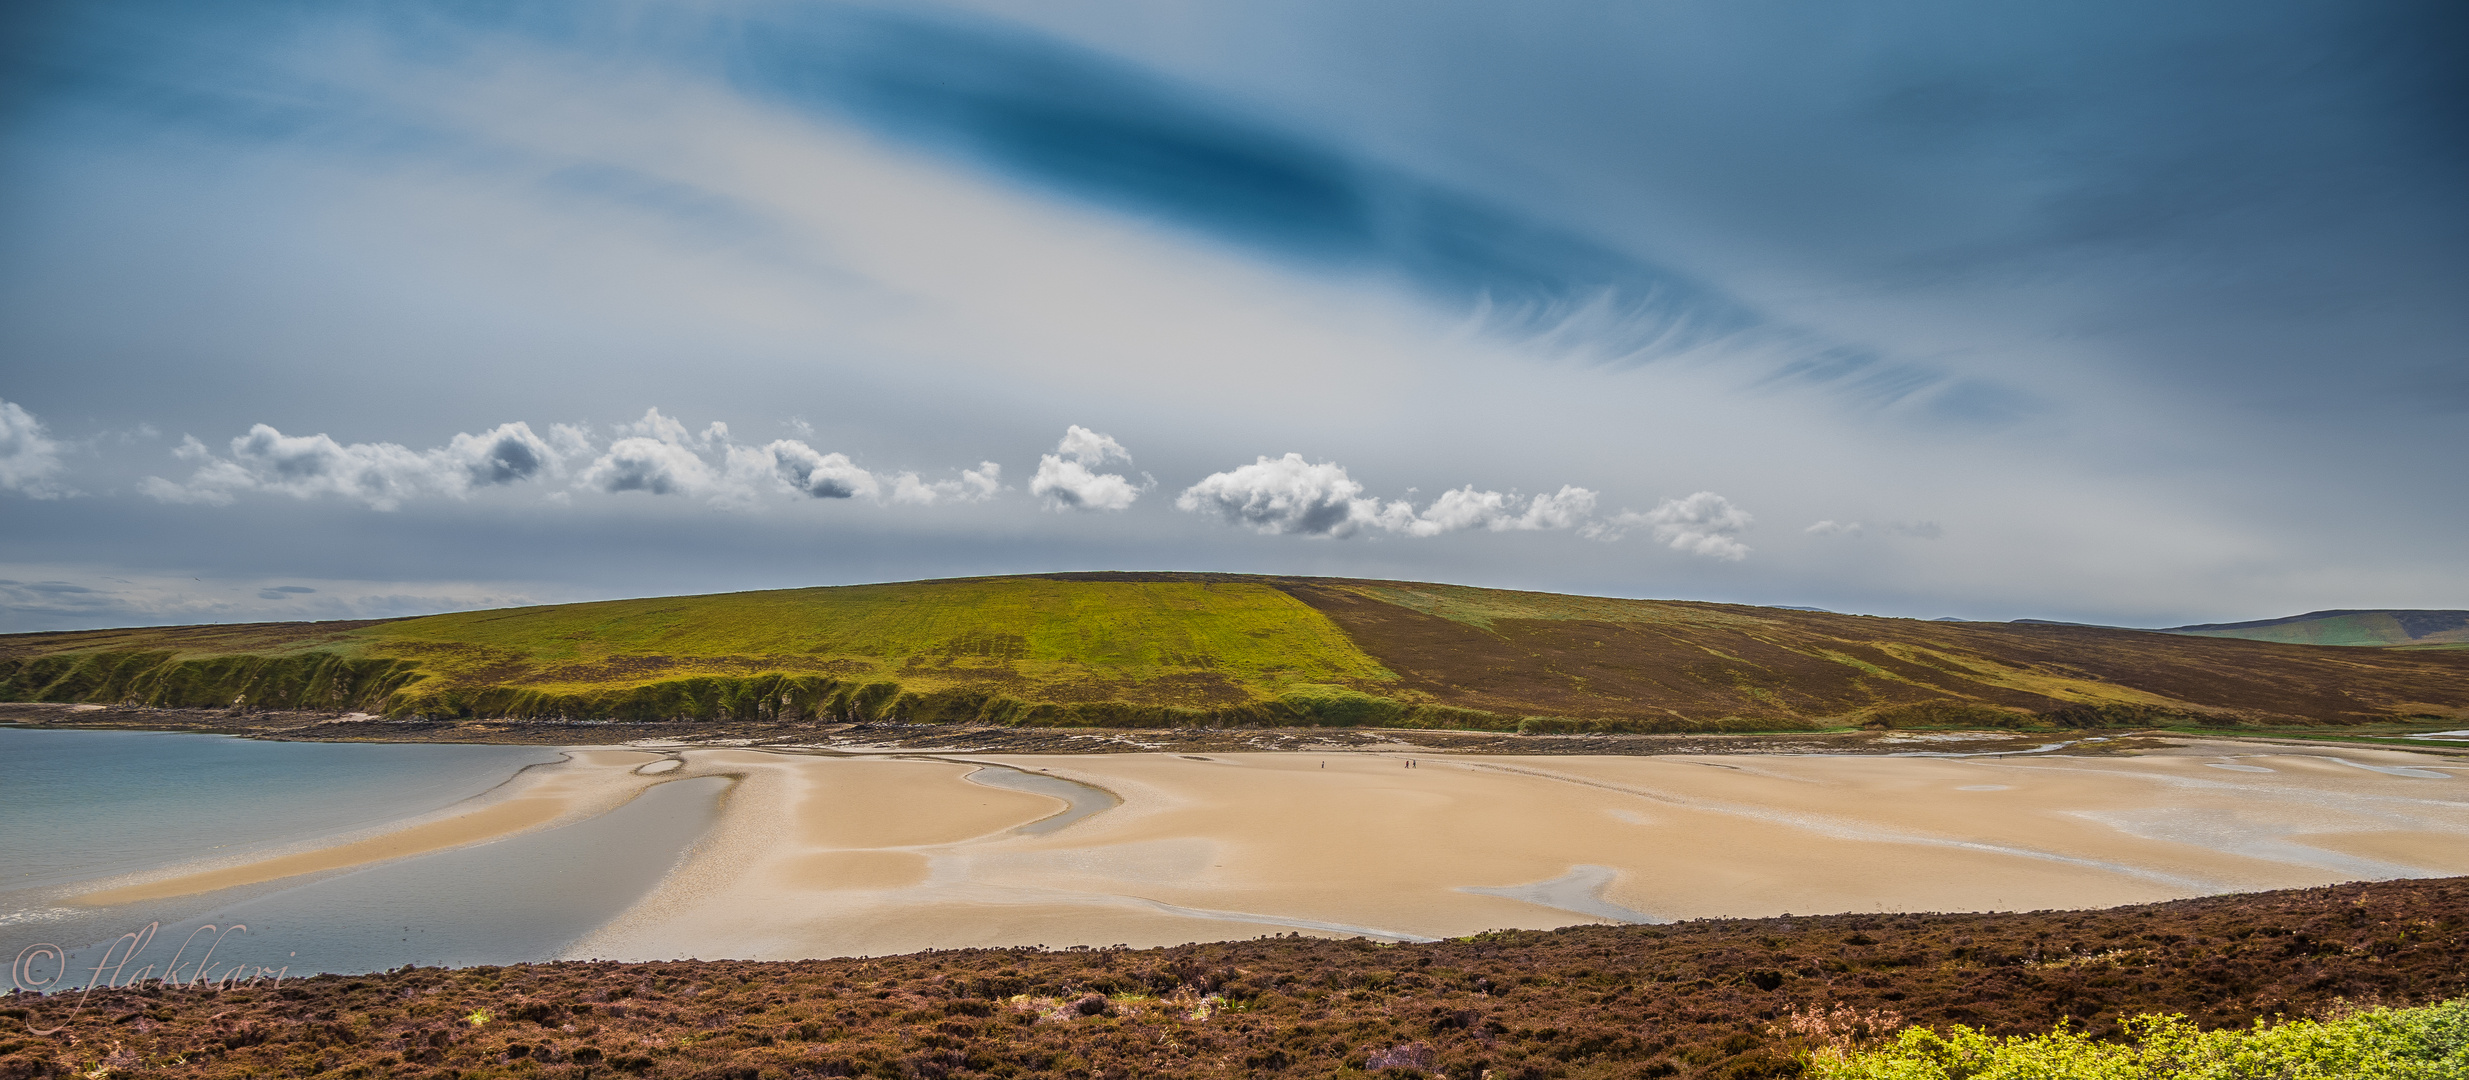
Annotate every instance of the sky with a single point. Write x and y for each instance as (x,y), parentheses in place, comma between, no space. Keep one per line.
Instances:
(2098,312)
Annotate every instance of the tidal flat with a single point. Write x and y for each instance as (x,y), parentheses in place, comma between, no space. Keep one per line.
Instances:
(663,851)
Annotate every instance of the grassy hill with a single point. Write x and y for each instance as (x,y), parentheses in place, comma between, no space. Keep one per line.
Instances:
(1163,649)
(2389,627)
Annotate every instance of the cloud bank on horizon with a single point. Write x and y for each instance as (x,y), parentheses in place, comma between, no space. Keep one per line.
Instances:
(2073,314)
(659,455)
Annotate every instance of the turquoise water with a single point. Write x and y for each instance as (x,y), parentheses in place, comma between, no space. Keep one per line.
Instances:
(77,805)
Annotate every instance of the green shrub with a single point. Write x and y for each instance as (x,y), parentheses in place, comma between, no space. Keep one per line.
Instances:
(2430,1043)
(2132,716)
(1961,715)
(1315,703)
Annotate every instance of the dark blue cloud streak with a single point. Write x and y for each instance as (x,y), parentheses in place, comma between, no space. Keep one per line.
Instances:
(1102,131)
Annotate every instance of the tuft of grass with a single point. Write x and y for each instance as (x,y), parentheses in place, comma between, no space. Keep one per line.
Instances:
(2428,1043)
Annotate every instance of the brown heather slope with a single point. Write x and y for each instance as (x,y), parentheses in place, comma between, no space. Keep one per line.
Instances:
(1729,999)
(1694,663)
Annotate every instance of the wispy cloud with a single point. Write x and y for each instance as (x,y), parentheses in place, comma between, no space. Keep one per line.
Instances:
(1703,524)
(973,485)
(43,597)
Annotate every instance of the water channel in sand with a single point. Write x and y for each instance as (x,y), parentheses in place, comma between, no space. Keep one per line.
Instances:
(664,852)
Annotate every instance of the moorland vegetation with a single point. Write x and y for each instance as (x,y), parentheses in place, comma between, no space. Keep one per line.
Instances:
(1162,650)
(1736,999)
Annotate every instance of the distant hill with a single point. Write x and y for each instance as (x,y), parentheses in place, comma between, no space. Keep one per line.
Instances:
(2380,627)
(1155,649)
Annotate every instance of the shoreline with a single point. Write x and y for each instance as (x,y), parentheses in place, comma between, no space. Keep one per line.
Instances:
(864,842)
(953,738)
(822,851)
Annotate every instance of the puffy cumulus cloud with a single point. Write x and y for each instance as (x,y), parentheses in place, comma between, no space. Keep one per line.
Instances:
(660,455)
(1466,508)
(655,455)
(1831,527)
(1702,524)
(1067,480)
(651,465)
(820,475)
(1070,485)
(1293,496)
(1285,495)
(505,454)
(381,475)
(29,457)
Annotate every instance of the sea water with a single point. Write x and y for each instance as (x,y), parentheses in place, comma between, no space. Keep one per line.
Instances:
(76,806)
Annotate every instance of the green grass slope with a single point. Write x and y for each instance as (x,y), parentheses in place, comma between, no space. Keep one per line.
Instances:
(1163,649)
(2393,627)
(1003,649)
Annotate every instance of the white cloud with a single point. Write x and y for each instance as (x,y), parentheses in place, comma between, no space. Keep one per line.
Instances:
(660,428)
(1067,482)
(650,465)
(502,455)
(1090,448)
(823,476)
(655,455)
(1834,528)
(1070,485)
(29,457)
(1563,509)
(1466,508)
(1297,497)
(1285,495)
(1702,524)
(379,474)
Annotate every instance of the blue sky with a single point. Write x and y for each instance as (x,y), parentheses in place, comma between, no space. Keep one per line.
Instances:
(2088,311)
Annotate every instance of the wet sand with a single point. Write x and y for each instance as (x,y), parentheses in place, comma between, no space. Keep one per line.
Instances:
(823,855)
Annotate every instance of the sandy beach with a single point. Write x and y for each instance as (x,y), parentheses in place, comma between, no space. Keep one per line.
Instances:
(837,856)
(869,854)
